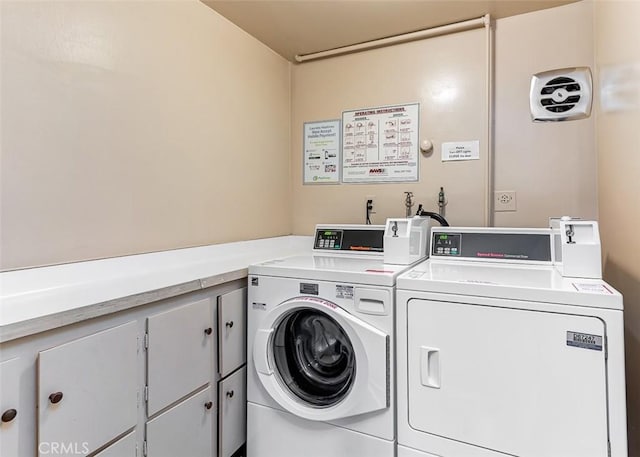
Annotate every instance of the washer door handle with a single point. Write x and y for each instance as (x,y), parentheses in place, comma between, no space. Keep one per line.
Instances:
(430,367)
(261,351)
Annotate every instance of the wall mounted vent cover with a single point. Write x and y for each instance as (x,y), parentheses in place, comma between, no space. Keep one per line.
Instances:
(561,95)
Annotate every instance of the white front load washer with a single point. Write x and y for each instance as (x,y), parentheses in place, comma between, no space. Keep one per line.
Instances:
(499,354)
(320,350)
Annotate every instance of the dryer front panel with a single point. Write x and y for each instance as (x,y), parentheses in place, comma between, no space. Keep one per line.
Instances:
(520,382)
(320,362)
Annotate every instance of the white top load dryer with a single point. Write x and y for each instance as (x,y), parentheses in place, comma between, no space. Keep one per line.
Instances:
(498,353)
(320,346)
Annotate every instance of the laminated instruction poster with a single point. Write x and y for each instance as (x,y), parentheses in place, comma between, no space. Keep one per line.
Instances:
(380,144)
(321,160)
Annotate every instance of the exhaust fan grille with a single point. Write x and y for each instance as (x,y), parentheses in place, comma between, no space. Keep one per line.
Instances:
(561,95)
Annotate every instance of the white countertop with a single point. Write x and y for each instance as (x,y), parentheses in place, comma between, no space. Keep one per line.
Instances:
(39,299)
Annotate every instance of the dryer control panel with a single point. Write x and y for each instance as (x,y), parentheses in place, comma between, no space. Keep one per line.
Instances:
(361,239)
(447,244)
(491,244)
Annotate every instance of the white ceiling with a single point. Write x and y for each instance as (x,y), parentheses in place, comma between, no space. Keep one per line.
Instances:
(292,27)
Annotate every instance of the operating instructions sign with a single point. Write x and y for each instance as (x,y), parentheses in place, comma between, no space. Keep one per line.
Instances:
(380,144)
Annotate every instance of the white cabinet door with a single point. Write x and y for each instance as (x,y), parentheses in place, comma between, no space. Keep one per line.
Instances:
(232,331)
(508,380)
(185,429)
(232,402)
(179,353)
(124,447)
(87,390)
(11,414)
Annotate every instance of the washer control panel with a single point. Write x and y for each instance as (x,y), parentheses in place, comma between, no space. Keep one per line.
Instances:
(328,239)
(349,238)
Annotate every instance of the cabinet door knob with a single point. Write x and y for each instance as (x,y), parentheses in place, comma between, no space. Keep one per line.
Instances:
(55,397)
(208,331)
(229,324)
(230,394)
(208,405)
(9,415)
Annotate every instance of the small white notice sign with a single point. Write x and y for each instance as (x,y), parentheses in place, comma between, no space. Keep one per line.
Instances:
(321,160)
(592,288)
(461,150)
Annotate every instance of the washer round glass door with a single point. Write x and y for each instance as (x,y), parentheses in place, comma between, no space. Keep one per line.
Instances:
(313,356)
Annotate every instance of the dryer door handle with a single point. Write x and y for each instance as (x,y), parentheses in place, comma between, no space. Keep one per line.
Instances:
(261,351)
(430,367)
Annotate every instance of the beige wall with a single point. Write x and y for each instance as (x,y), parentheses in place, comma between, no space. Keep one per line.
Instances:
(137,126)
(423,71)
(618,139)
(551,166)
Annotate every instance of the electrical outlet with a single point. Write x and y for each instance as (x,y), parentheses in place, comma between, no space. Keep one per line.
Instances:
(373,199)
(369,208)
(505,200)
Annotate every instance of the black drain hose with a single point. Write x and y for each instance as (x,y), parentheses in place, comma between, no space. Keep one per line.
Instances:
(441,220)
